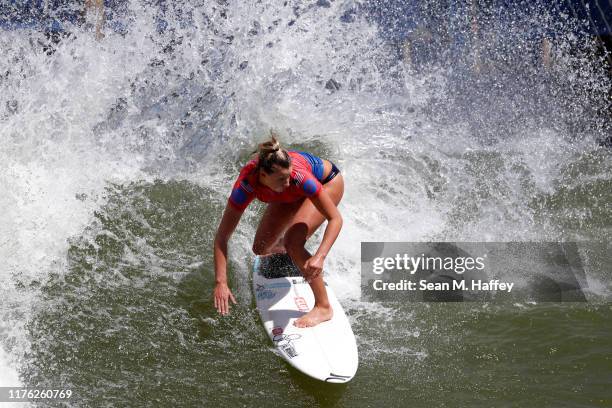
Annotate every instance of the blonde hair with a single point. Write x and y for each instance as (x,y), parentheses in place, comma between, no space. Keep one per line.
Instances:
(271,153)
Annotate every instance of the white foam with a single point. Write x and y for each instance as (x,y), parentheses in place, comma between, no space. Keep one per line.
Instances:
(8,374)
(54,167)
(9,377)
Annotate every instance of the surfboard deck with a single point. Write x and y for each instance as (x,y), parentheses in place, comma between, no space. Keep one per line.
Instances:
(327,351)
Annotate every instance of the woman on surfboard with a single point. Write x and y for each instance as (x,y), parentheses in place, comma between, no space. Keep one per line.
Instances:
(302,190)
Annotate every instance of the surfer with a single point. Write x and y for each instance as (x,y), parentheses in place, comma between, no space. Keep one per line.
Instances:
(302,190)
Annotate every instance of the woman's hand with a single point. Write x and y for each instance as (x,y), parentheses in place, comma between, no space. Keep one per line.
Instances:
(222,295)
(314,267)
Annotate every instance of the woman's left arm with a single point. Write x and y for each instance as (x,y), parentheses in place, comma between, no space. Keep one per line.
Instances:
(326,206)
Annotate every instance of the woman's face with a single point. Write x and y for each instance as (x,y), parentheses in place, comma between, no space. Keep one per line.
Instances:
(278,180)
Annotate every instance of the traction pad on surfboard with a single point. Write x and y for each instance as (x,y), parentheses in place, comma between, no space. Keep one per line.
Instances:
(277,266)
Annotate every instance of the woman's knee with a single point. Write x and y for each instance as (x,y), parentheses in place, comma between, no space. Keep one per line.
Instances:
(263,247)
(258,248)
(296,236)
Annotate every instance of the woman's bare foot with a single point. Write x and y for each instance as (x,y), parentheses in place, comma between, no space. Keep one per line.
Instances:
(317,315)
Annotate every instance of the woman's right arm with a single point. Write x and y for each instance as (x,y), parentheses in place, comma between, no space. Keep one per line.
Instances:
(222,293)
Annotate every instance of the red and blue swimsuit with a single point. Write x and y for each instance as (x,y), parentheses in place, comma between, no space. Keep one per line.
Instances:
(305,181)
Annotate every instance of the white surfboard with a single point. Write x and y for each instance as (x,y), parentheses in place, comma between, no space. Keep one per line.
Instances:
(327,351)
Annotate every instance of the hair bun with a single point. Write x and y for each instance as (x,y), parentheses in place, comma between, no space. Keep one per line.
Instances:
(268,156)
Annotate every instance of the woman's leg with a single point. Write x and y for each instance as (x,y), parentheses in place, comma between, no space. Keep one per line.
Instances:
(274,222)
(305,222)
